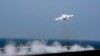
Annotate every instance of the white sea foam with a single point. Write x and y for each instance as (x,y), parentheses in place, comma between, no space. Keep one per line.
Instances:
(39,47)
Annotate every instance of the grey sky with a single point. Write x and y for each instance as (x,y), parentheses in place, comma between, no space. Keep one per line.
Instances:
(35,19)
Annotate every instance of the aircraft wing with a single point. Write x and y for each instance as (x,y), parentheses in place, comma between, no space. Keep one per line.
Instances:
(71,15)
(59,18)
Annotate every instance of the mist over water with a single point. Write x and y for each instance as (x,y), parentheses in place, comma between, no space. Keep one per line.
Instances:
(40,47)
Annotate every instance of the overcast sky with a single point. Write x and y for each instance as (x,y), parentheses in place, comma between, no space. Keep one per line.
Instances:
(35,19)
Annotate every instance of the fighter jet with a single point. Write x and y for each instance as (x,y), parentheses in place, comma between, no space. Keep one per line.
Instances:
(64,17)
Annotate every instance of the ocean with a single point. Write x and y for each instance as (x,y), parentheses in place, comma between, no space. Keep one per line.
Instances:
(95,44)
